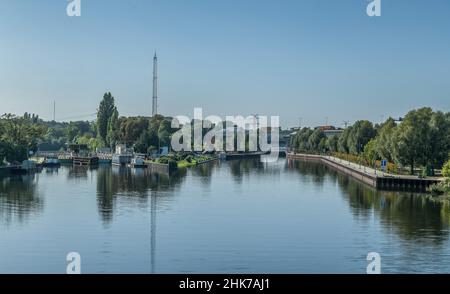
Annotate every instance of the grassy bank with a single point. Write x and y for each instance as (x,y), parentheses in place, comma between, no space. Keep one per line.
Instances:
(183,160)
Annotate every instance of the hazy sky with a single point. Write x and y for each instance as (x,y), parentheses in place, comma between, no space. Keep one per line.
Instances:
(302,58)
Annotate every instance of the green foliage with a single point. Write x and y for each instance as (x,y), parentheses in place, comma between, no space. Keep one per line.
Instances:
(92,142)
(436,189)
(411,139)
(446,170)
(343,139)
(384,142)
(145,135)
(360,134)
(370,153)
(315,140)
(301,140)
(104,113)
(164,131)
(113,127)
(333,143)
(142,143)
(131,129)
(19,135)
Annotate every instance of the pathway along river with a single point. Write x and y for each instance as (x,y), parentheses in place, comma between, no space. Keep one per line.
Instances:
(229,217)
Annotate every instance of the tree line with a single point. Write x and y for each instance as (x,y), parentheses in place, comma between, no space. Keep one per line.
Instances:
(21,136)
(420,139)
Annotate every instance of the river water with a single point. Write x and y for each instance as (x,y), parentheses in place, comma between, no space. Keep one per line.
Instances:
(225,217)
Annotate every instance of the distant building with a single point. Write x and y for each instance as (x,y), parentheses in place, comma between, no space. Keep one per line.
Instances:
(330,131)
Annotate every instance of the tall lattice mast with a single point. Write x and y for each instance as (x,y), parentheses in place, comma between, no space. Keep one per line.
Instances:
(155,86)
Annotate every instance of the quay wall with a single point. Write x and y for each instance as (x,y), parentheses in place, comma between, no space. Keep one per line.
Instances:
(384,182)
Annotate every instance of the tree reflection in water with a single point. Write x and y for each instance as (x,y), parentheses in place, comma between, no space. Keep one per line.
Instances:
(413,216)
(131,184)
(241,168)
(19,198)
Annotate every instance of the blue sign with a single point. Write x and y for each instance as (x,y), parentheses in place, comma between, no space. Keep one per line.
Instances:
(383,164)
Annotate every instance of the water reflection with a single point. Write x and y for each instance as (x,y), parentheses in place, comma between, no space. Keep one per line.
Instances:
(242,168)
(193,221)
(413,216)
(315,171)
(19,198)
(133,184)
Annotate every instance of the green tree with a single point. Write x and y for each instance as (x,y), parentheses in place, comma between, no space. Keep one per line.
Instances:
(361,133)
(164,131)
(301,140)
(384,143)
(315,139)
(333,143)
(446,170)
(112,134)
(343,140)
(19,135)
(131,128)
(370,153)
(104,113)
(439,143)
(90,141)
(411,139)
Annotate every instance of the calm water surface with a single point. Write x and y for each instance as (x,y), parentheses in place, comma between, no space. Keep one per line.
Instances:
(236,216)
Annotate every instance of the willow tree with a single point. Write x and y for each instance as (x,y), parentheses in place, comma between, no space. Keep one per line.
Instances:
(411,139)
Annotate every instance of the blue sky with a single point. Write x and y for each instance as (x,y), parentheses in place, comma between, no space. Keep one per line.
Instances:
(304,58)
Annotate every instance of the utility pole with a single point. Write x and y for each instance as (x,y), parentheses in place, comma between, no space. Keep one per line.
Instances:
(54,110)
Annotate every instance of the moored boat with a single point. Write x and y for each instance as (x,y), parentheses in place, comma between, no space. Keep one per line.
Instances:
(51,162)
(138,162)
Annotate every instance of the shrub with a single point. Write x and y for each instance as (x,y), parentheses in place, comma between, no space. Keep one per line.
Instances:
(163,160)
(446,169)
(436,189)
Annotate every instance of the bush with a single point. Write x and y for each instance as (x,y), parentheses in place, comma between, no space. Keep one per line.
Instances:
(446,169)
(163,160)
(436,189)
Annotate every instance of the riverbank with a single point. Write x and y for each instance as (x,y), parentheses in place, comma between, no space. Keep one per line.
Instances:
(370,176)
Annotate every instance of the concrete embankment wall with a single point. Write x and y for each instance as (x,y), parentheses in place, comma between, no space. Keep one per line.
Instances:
(361,176)
(378,181)
(365,178)
(158,168)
